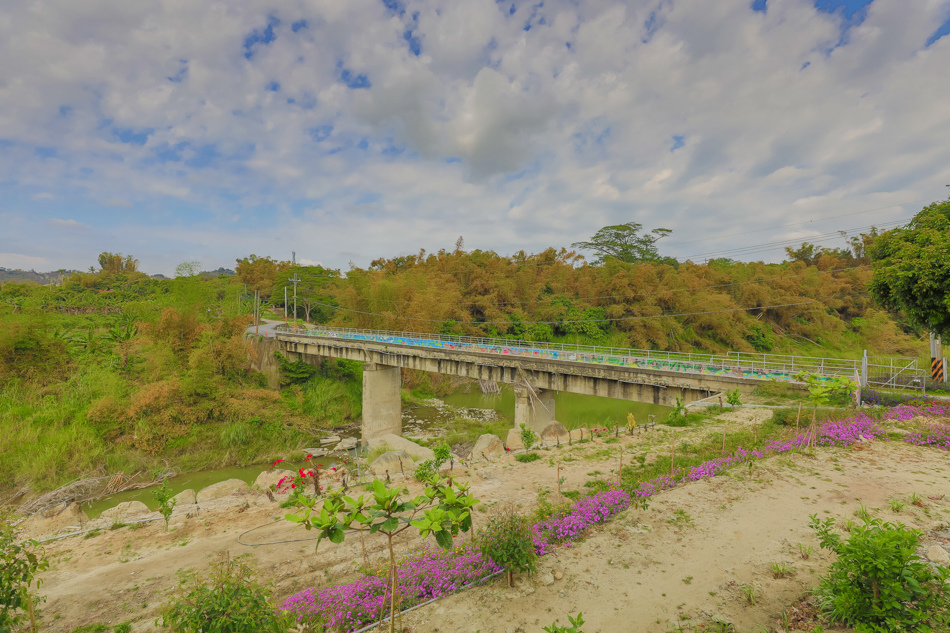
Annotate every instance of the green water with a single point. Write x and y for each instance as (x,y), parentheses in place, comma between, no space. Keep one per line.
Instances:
(570,409)
(196,481)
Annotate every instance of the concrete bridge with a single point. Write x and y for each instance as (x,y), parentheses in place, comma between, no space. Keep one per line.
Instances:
(535,370)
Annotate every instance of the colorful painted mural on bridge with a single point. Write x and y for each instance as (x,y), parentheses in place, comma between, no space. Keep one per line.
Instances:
(505,348)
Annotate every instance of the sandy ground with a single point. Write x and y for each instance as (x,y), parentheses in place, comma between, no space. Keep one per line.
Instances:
(691,558)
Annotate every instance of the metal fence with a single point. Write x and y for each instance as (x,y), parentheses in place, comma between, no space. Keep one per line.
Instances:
(874,371)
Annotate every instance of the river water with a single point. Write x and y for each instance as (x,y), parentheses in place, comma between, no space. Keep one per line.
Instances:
(570,409)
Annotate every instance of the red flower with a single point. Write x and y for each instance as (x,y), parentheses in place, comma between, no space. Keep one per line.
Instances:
(300,470)
(275,463)
(293,485)
(308,457)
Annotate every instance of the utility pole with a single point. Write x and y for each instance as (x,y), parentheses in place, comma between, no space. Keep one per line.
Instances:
(285,305)
(294,280)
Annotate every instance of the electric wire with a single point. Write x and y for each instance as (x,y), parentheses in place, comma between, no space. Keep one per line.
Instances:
(792,241)
(783,226)
(636,318)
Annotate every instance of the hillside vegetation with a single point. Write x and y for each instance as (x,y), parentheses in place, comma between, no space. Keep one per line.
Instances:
(116,371)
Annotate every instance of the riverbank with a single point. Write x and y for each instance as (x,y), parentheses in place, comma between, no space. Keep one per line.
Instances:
(685,559)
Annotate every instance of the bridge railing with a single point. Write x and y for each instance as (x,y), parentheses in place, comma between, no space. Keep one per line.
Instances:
(759,366)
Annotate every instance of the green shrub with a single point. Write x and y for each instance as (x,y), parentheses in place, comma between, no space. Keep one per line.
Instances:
(785,417)
(733,397)
(528,437)
(166,501)
(878,584)
(20,562)
(509,542)
(527,458)
(227,601)
(574,628)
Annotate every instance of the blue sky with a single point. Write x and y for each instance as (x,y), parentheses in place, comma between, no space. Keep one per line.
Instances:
(347,131)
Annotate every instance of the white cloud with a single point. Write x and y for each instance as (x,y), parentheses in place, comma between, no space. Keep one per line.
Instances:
(25,262)
(66,224)
(177,124)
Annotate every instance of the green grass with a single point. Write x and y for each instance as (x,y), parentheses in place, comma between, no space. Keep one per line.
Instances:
(459,430)
(527,458)
(694,454)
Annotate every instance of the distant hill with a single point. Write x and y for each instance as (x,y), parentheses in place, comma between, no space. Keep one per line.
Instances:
(56,276)
(18,275)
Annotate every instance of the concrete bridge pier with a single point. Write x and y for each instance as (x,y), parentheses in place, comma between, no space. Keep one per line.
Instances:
(534,412)
(382,402)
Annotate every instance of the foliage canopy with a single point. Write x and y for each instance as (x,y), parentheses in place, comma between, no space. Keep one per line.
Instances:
(912,269)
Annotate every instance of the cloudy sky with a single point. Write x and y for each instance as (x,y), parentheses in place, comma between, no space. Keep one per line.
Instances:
(347,130)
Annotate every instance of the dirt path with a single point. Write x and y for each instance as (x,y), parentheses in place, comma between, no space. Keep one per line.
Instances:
(690,558)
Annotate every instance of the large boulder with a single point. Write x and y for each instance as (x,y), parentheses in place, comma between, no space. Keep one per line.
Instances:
(397,443)
(221,489)
(555,433)
(270,478)
(54,520)
(513,441)
(186,498)
(126,510)
(393,462)
(487,446)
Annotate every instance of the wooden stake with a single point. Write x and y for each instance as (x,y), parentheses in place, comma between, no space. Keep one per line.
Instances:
(723,439)
(799,416)
(755,434)
(620,471)
(672,452)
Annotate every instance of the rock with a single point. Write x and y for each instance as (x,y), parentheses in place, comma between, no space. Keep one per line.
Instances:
(546,578)
(185,498)
(558,575)
(329,439)
(349,443)
(397,443)
(395,462)
(316,452)
(938,525)
(125,510)
(270,478)
(938,555)
(221,489)
(487,446)
(513,441)
(562,594)
(554,433)
(54,522)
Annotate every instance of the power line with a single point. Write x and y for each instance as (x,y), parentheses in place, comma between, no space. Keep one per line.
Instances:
(660,292)
(474,302)
(791,241)
(637,318)
(772,228)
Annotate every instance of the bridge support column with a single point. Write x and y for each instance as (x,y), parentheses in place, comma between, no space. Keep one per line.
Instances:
(382,404)
(534,417)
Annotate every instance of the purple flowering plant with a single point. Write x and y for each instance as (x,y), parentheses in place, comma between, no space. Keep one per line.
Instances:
(433,573)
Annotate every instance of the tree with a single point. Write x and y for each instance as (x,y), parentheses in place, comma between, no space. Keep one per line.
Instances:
(313,290)
(116,263)
(911,266)
(188,269)
(260,273)
(624,242)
